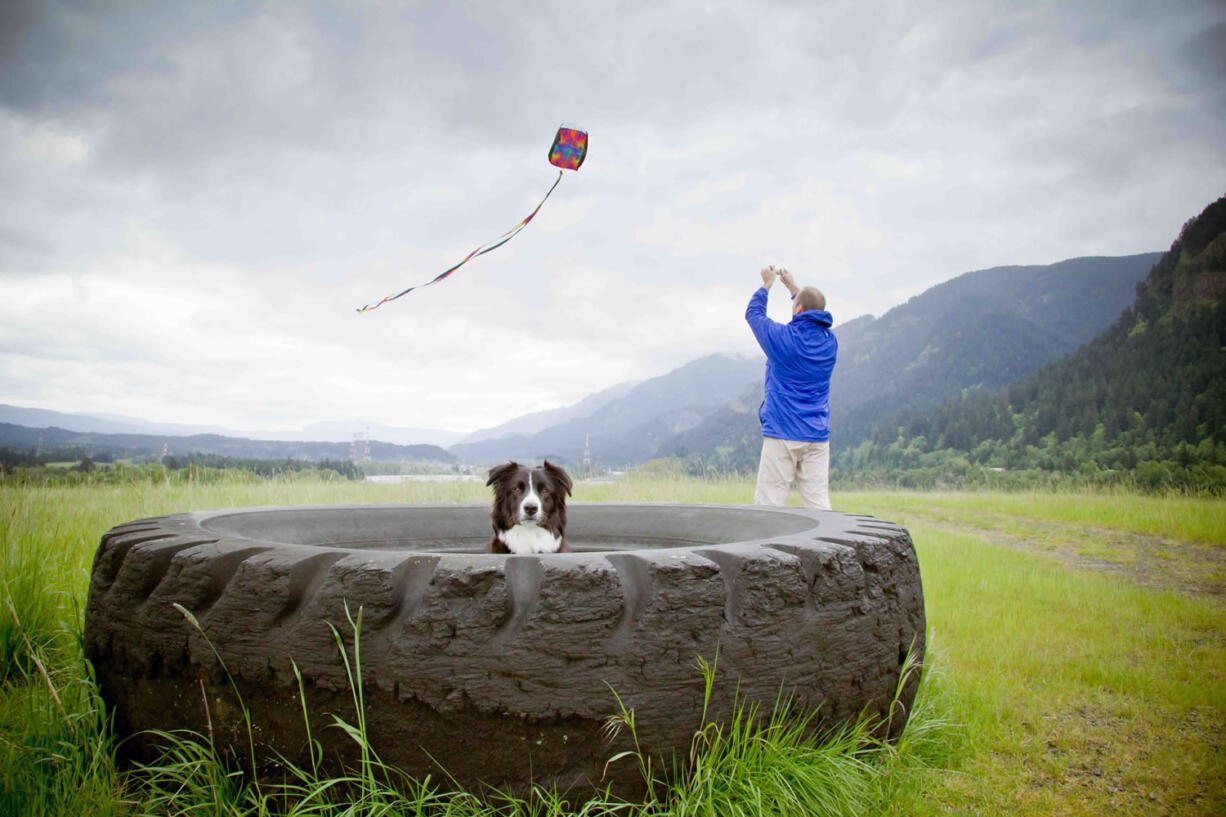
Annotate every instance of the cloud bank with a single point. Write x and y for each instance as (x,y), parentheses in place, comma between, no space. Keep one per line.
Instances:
(197,196)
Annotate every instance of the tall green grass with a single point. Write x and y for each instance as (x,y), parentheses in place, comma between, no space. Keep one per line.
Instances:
(1175,516)
(1073,692)
(57,757)
(753,763)
(41,555)
(56,754)
(1070,676)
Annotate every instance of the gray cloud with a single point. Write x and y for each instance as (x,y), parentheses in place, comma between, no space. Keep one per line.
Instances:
(228,167)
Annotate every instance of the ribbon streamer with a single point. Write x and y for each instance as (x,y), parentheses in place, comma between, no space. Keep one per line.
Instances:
(481,250)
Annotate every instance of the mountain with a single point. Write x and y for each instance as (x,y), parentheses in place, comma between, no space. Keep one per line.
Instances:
(344,431)
(1148,395)
(101,424)
(630,428)
(541,420)
(149,445)
(728,439)
(981,330)
(320,432)
(984,329)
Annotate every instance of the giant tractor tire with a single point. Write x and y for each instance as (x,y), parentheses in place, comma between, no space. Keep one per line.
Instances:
(496,670)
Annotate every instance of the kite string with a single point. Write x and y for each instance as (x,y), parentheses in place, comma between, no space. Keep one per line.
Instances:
(481,250)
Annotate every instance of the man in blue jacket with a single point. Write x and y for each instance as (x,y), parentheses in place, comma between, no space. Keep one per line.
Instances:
(795,411)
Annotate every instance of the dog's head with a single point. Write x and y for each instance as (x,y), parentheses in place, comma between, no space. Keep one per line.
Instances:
(529,496)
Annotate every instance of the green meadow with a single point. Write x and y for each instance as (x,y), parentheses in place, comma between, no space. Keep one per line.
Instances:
(1077,665)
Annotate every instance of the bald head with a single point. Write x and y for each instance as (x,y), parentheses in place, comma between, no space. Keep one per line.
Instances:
(810,298)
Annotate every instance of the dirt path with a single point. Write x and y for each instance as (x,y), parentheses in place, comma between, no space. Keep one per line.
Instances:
(1155,562)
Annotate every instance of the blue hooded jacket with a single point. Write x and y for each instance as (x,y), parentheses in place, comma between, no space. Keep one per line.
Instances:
(799,360)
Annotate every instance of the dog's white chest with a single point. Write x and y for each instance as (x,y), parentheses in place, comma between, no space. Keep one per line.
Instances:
(529,539)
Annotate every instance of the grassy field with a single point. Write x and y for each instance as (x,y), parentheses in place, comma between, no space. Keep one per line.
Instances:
(1077,661)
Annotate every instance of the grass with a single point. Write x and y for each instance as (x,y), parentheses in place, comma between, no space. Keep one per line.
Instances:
(1083,695)
(55,755)
(1185,518)
(1075,690)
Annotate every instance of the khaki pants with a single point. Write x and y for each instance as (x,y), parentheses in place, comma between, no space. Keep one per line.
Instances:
(783,460)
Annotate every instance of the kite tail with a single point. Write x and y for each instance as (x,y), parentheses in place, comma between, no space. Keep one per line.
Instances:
(481,250)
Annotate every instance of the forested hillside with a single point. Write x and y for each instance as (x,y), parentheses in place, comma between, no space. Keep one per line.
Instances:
(982,330)
(630,428)
(104,447)
(1147,397)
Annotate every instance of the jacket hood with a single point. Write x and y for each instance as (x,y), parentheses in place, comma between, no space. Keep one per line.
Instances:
(818,316)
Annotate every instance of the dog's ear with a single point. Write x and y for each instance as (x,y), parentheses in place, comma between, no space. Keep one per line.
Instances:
(501,472)
(558,475)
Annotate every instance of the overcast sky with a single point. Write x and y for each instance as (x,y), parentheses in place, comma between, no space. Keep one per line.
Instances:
(194,197)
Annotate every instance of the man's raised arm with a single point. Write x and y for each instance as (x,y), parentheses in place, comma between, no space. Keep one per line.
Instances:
(770,335)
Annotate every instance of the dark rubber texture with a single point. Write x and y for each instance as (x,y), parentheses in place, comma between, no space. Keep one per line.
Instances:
(497,668)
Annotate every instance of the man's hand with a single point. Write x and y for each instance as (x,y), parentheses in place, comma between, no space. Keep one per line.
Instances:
(768,276)
(788,281)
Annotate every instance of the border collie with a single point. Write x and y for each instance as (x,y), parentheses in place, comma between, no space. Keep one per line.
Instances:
(529,513)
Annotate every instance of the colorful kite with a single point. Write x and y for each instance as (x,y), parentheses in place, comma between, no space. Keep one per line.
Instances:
(567,153)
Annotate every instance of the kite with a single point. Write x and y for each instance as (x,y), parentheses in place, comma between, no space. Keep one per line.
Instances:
(567,153)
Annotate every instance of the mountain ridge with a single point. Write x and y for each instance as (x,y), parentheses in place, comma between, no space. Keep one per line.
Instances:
(327,431)
(977,330)
(95,444)
(539,420)
(630,428)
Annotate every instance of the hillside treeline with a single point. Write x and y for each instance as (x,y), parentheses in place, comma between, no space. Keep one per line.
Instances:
(57,467)
(264,468)
(148,446)
(11,457)
(1146,398)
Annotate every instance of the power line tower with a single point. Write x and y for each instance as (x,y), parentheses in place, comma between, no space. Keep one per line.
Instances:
(359,449)
(587,453)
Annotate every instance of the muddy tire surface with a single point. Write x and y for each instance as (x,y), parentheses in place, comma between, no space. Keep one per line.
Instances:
(497,668)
